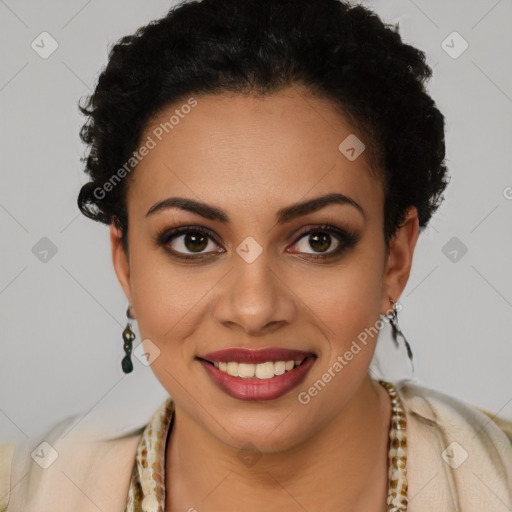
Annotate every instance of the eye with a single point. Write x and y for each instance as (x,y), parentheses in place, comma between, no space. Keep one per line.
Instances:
(188,242)
(195,242)
(325,241)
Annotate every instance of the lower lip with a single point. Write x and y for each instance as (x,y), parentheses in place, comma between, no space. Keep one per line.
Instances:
(254,389)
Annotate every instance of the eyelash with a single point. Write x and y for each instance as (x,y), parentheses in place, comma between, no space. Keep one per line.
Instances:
(347,240)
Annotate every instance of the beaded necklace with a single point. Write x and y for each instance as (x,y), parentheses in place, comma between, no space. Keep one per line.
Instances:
(147,486)
(397,473)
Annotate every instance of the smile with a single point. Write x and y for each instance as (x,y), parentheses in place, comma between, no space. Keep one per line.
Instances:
(266,370)
(257,375)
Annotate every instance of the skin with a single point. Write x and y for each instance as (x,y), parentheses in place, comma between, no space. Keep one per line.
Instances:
(251,156)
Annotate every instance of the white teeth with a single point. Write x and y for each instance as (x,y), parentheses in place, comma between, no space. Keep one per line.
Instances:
(245,370)
(233,368)
(279,367)
(265,370)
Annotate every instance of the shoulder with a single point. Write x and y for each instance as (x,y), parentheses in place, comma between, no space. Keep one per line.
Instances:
(6,456)
(456,450)
(453,412)
(73,466)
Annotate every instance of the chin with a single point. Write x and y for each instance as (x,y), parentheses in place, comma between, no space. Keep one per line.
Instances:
(263,431)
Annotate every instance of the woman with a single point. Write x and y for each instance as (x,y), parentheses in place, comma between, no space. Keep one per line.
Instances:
(265,167)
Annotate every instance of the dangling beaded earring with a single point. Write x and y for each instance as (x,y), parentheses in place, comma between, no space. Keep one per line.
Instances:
(128,337)
(393,317)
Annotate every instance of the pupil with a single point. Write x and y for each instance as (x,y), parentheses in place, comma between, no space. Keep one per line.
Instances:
(195,242)
(322,240)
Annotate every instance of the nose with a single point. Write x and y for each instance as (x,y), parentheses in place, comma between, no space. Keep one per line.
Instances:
(254,298)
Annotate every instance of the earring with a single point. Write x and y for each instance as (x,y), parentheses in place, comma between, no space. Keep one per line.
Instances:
(393,317)
(128,337)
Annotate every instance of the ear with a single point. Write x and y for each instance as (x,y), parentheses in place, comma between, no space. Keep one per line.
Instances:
(399,261)
(120,261)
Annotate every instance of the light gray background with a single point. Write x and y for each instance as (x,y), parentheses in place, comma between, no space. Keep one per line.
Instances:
(61,320)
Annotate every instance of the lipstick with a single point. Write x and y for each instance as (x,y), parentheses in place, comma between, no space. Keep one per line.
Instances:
(257,375)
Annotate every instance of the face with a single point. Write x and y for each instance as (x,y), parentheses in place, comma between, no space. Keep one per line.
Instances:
(240,264)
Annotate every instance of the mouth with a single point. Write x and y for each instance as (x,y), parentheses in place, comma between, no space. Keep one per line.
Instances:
(257,375)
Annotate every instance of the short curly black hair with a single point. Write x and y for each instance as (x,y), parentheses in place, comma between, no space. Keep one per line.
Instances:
(341,52)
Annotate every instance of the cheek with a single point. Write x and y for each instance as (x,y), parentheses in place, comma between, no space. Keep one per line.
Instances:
(348,306)
(348,301)
(165,302)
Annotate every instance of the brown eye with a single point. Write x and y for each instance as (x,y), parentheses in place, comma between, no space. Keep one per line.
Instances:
(318,241)
(188,241)
(325,241)
(194,242)
(191,243)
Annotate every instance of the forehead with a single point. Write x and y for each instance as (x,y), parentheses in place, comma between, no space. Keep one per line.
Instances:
(247,149)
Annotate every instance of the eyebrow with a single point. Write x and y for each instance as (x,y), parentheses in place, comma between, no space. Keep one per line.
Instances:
(283,215)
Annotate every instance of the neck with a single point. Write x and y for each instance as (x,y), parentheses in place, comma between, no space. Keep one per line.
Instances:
(345,464)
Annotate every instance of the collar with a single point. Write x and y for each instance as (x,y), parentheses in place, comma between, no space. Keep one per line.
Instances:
(438,427)
(147,485)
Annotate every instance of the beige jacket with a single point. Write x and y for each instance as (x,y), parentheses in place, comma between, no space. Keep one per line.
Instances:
(459,460)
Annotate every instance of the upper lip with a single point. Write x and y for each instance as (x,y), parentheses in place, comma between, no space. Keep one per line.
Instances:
(256,356)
